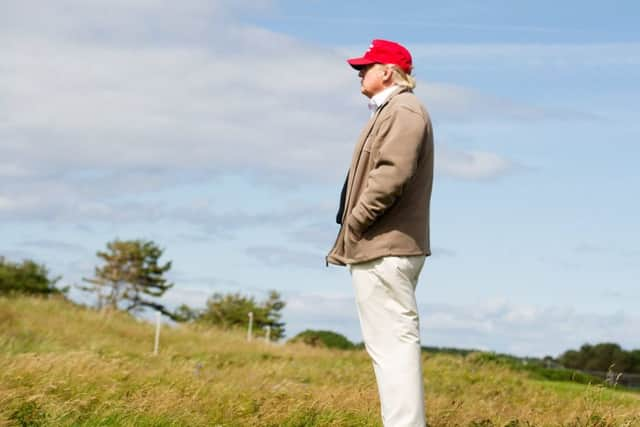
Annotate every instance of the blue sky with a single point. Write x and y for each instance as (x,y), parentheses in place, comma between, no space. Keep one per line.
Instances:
(222,130)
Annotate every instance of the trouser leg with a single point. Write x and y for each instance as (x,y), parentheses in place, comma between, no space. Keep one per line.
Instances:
(385,296)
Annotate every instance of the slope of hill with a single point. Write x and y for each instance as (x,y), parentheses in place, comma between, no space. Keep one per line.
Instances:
(64,365)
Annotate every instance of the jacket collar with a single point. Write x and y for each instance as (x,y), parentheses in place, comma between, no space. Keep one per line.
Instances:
(397,90)
(379,98)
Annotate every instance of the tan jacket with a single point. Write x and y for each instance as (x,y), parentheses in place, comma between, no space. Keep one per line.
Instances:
(386,210)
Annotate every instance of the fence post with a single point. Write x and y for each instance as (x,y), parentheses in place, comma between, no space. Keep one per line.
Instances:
(250,331)
(157,340)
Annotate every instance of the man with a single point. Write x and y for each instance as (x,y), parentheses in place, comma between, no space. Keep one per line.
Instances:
(384,238)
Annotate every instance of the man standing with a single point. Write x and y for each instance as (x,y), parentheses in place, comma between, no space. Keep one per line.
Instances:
(384,238)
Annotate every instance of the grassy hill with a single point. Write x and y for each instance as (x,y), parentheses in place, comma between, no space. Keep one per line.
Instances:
(63,365)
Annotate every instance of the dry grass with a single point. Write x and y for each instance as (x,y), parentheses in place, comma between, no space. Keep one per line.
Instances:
(61,365)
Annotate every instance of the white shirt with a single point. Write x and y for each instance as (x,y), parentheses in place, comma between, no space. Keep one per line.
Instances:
(379,98)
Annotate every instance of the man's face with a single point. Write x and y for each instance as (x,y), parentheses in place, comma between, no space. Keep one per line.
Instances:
(373,79)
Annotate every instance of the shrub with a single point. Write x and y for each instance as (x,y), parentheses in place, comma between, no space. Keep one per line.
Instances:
(231,311)
(26,277)
(327,339)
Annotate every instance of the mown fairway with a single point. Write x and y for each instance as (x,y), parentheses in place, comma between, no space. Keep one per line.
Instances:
(62,365)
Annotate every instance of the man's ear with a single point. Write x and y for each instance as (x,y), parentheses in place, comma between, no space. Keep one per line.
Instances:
(387,74)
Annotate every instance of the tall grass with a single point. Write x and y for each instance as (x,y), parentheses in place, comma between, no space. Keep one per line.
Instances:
(63,365)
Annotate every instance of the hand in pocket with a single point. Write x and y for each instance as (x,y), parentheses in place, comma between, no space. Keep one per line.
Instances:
(352,234)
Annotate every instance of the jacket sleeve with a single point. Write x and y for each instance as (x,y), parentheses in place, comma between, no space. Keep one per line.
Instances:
(395,162)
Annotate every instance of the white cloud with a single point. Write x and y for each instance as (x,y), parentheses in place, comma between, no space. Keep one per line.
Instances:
(53,245)
(138,21)
(324,311)
(589,249)
(277,255)
(8,170)
(17,255)
(534,55)
(525,330)
(113,98)
(60,201)
(191,296)
(471,164)
(453,102)
(239,102)
(6,204)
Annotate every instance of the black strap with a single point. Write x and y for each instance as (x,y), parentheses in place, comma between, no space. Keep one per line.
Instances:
(343,196)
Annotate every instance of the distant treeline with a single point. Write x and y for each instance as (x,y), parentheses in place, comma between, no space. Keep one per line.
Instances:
(602,357)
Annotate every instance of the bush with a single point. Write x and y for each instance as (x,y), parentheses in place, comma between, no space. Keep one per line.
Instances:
(231,311)
(27,277)
(323,339)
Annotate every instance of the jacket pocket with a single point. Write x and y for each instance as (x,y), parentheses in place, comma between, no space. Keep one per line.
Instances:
(350,237)
(351,243)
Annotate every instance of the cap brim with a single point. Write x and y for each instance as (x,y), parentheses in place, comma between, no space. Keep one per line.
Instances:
(359,63)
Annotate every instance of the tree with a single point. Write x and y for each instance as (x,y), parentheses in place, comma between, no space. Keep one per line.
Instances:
(609,356)
(599,357)
(572,359)
(635,361)
(184,313)
(232,311)
(130,273)
(26,277)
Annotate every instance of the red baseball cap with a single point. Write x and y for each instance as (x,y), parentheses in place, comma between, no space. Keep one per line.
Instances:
(384,52)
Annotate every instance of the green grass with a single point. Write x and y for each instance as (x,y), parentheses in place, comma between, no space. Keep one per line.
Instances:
(64,365)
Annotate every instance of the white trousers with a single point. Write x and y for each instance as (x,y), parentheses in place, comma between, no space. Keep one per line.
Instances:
(385,296)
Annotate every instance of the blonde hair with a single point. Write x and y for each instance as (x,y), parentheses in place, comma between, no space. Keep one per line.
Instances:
(401,78)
